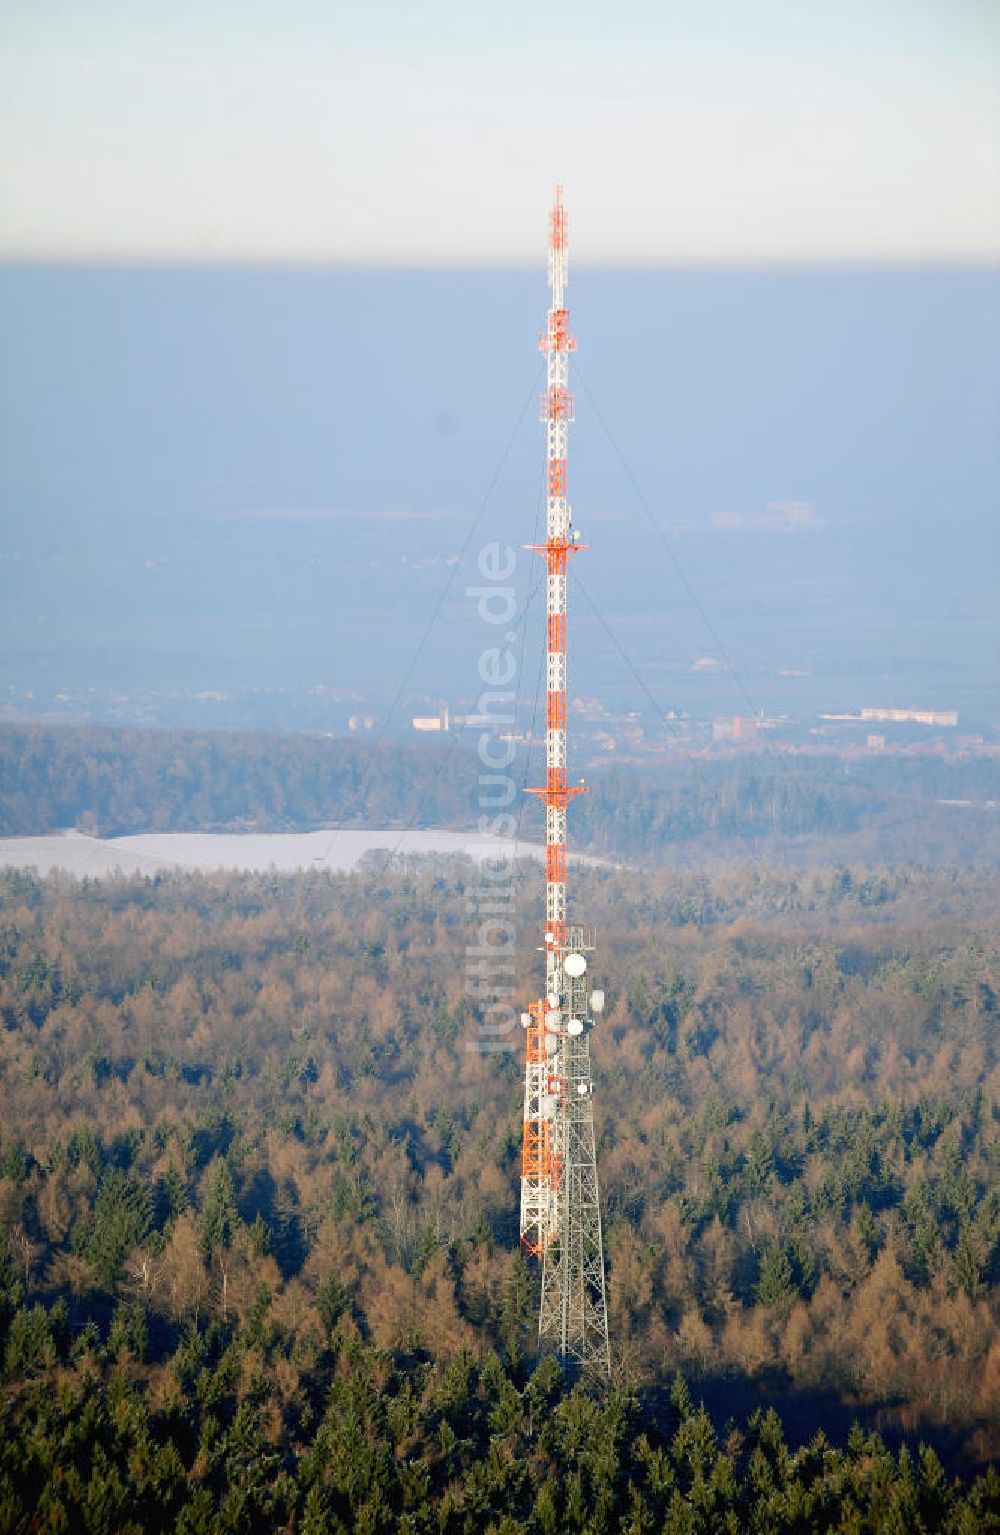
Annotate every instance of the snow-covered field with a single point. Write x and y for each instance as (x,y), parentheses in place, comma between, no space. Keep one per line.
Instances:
(76,853)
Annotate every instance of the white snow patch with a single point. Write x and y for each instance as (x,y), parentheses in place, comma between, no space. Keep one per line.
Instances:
(151,852)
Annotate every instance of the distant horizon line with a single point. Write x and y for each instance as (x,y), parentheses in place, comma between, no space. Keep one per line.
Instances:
(859,265)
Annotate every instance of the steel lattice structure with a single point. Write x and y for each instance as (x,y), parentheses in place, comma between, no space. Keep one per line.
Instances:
(560,1206)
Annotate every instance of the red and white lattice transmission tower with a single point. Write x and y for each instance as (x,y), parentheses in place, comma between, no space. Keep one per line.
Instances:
(560,1209)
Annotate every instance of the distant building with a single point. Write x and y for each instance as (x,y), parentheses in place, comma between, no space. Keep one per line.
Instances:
(876,742)
(940,717)
(913,716)
(361,722)
(739,728)
(432,721)
(590,708)
(476,722)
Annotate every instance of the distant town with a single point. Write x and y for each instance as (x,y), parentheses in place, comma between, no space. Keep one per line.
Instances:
(633,737)
(600,731)
(874,728)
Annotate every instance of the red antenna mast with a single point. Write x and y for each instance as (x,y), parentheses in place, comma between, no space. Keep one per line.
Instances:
(560,1212)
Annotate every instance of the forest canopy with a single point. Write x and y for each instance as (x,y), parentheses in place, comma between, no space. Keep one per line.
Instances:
(110,781)
(259,1203)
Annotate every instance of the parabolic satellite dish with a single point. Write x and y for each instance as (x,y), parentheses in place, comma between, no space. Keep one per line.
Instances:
(574,965)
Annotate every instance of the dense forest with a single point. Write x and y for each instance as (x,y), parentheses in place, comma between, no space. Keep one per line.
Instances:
(258,1189)
(110,781)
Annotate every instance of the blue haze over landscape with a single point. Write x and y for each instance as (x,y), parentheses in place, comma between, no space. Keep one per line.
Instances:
(220,480)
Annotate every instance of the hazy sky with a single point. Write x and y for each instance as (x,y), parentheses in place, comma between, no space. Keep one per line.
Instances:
(428,131)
